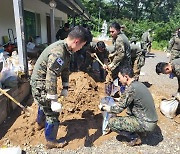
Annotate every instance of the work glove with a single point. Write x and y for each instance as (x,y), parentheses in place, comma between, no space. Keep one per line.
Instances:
(64,91)
(56,106)
(104,107)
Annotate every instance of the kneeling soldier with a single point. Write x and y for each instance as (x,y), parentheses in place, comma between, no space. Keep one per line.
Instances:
(142,116)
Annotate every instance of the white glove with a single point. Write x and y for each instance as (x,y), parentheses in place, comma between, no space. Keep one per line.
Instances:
(56,106)
(104,107)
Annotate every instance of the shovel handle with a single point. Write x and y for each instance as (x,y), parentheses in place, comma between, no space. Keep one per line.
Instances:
(96,57)
(11,98)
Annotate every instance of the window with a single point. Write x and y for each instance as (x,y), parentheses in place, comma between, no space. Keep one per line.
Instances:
(32,25)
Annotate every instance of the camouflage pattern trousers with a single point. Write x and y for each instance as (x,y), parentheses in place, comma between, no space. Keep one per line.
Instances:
(130,124)
(175,54)
(39,94)
(136,68)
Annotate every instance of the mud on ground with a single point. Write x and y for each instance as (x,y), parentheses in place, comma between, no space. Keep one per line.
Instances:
(80,118)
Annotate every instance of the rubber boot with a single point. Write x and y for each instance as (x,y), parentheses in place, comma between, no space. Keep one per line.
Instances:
(40,119)
(51,130)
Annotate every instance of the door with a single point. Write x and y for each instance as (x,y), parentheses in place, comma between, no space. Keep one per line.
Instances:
(48,29)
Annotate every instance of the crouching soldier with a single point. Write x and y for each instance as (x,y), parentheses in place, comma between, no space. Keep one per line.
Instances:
(52,63)
(137,58)
(173,69)
(142,116)
(102,53)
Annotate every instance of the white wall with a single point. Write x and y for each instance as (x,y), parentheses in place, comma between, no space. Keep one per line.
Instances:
(6,18)
(36,6)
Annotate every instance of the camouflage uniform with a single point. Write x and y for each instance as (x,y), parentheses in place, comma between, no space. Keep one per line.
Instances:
(52,63)
(176,70)
(174,47)
(137,59)
(146,41)
(121,55)
(142,116)
(103,57)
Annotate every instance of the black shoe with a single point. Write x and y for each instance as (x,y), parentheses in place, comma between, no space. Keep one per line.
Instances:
(135,140)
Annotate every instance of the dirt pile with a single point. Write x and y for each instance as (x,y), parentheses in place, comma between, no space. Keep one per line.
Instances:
(80,119)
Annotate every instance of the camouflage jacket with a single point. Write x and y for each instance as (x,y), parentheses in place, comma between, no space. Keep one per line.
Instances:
(146,37)
(122,53)
(139,102)
(176,70)
(137,54)
(174,44)
(136,51)
(53,62)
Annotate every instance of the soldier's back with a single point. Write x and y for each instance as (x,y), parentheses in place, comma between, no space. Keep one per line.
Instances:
(143,102)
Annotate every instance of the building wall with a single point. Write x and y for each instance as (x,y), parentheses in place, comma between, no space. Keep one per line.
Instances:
(6,18)
(36,6)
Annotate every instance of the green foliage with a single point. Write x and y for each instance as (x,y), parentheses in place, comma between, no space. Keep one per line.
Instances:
(163,16)
(159,45)
(95,33)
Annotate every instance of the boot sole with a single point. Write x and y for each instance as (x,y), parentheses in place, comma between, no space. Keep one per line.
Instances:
(135,142)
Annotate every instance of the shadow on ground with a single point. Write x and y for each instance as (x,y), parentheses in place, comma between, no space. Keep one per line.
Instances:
(151,138)
(80,128)
(150,55)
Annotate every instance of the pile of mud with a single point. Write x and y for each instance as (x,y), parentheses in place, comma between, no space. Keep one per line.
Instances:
(80,119)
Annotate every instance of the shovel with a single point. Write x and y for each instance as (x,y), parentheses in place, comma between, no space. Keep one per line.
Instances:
(97,58)
(109,76)
(28,110)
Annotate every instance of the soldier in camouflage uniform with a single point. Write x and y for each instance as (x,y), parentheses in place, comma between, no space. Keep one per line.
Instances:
(52,63)
(142,116)
(147,41)
(100,49)
(173,69)
(174,45)
(137,57)
(121,55)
